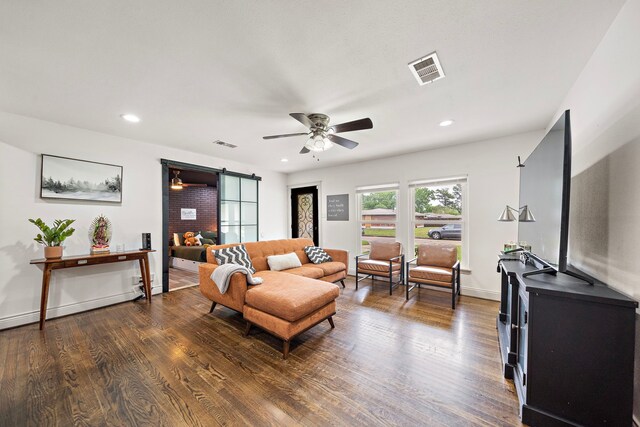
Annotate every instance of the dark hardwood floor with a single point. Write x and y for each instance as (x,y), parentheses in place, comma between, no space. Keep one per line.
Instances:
(388,362)
(179,279)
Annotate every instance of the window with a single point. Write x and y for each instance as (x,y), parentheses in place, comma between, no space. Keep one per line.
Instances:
(238,209)
(440,214)
(377,214)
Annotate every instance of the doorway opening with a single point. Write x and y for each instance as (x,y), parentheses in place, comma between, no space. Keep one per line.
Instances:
(190,221)
(216,205)
(304,213)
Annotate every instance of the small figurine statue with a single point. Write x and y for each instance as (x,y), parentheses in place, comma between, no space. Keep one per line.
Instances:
(100,234)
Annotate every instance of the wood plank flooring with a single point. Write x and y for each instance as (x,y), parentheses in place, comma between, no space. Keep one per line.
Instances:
(179,279)
(388,362)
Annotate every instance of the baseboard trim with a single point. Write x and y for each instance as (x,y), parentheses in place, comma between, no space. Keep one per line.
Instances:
(466,291)
(65,310)
(481,293)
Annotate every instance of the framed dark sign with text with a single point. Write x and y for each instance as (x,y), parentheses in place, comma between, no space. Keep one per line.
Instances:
(338,207)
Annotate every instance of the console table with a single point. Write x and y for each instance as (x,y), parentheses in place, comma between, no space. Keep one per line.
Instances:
(142,256)
(568,346)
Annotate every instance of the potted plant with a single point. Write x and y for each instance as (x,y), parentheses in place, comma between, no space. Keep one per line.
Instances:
(52,237)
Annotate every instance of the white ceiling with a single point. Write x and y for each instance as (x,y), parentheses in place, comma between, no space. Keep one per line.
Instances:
(197,71)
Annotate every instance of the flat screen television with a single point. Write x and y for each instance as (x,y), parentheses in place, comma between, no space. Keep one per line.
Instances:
(545,183)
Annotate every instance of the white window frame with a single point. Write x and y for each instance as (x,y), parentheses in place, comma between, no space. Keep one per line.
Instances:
(381,188)
(464,242)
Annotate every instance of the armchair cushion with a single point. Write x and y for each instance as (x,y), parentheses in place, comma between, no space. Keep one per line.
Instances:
(384,251)
(438,274)
(377,265)
(437,255)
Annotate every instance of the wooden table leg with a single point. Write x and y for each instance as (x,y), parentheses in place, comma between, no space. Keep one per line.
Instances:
(143,277)
(147,280)
(44,296)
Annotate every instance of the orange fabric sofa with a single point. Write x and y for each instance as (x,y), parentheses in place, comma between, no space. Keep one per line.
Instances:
(288,302)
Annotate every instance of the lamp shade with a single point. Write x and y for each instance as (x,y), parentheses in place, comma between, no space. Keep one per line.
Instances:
(507,215)
(526,215)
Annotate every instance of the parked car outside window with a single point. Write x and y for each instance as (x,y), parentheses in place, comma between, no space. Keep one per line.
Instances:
(449,231)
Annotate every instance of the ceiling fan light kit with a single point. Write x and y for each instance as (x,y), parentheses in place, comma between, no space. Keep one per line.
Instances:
(322,137)
(318,143)
(176,182)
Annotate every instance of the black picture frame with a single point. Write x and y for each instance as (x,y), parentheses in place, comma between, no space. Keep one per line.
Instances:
(97,185)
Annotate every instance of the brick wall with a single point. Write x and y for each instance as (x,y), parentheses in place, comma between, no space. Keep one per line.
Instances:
(203,199)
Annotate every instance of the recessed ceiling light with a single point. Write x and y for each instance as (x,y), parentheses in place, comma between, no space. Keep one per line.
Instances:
(284,160)
(130,118)
(445,123)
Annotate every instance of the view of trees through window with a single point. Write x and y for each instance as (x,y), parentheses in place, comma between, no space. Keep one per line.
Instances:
(378,217)
(438,215)
(442,200)
(379,200)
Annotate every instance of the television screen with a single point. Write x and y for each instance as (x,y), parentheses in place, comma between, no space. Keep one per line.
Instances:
(544,188)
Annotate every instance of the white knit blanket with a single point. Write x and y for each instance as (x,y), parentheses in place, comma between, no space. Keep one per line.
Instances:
(221,276)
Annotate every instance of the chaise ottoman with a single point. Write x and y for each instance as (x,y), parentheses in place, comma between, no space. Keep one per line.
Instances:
(290,305)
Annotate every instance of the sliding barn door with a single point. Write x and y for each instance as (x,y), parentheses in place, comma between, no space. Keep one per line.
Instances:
(238,209)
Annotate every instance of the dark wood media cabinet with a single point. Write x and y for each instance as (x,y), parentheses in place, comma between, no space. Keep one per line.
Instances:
(568,346)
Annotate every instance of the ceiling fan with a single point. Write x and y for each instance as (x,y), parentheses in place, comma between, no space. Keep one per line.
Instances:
(321,135)
(177,184)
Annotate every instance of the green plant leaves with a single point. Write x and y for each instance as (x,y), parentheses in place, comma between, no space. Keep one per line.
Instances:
(53,236)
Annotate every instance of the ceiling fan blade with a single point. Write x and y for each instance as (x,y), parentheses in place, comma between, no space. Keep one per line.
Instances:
(184,184)
(304,150)
(346,143)
(302,118)
(354,125)
(285,135)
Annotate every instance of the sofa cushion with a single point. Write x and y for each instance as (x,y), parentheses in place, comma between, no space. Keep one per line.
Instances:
(438,274)
(329,268)
(283,328)
(283,262)
(234,255)
(376,265)
(289,297)
(259,251)
(307,270)
(317,255)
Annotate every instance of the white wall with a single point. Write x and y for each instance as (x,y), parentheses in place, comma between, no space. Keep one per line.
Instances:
(605,114)
(22,140)
(492,182)
(605,196)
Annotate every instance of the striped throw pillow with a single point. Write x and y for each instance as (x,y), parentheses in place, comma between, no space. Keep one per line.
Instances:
(234,255)
(317,255)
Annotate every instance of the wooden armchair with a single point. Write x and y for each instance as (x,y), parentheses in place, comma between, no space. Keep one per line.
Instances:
(385,260)
(436,266)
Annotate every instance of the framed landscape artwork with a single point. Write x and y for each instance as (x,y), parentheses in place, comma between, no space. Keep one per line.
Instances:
(73,179)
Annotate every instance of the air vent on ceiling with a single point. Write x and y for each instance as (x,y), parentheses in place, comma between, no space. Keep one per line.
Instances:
(224,144)
(427,69)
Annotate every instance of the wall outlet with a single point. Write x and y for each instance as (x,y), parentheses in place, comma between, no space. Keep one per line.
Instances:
(137,280)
